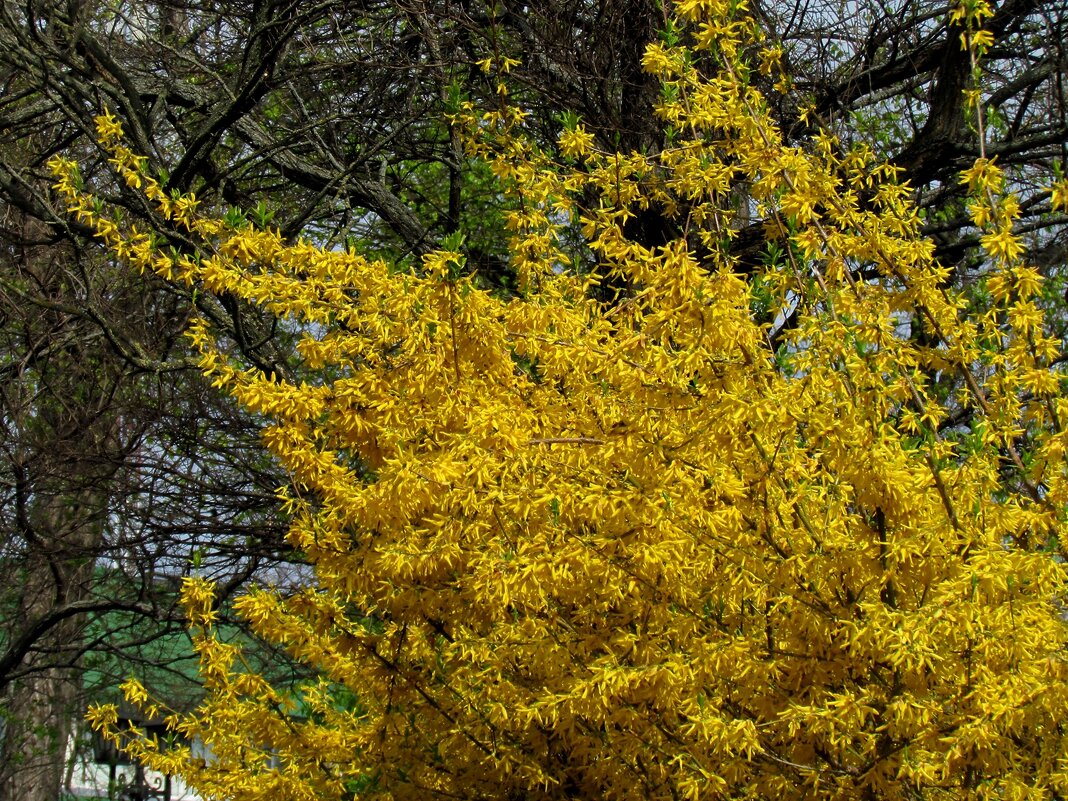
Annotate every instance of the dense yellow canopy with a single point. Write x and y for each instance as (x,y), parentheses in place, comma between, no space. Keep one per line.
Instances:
(565,549)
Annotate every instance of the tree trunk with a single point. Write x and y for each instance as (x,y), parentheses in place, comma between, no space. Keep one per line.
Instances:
(63,526)
(60,448)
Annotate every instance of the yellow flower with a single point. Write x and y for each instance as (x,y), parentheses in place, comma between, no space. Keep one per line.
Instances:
(133,691)
(983,174)
(108,127)
(198,601)
(575,142)
(1059,195)
(1002,244)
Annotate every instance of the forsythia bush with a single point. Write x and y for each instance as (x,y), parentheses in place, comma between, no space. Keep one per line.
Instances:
(569,549)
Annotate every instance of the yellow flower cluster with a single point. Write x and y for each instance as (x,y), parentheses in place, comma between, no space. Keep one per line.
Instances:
(565,549)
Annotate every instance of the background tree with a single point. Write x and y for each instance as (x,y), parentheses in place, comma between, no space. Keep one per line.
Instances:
(105,501)
(103,496)
(897,78)
(237,102)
